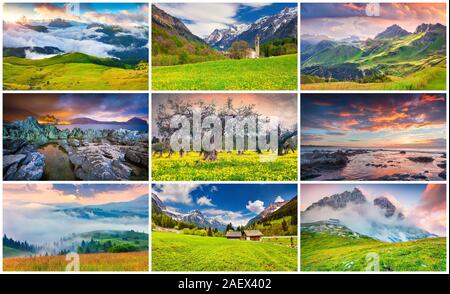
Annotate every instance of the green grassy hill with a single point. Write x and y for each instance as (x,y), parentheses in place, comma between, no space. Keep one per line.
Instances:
(322,251)
(281,222)
(416,61)
(72,71)
(429,78)
(113,242)
(173,43)
(274,73)
(12,252)
(179,252)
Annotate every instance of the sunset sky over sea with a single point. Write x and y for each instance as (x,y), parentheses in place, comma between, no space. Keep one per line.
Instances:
(374,120)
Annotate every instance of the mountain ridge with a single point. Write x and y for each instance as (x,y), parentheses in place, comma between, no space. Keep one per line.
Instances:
(353,210)
(277,26)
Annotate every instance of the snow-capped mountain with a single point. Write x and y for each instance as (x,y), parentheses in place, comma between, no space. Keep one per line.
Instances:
(195,217)
(379,219)
(268,210)
(225,36)
(280,25)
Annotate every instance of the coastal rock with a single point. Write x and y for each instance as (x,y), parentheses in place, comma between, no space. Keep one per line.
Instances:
(33,170)
(127,137)
(442,164)
(378,165)
(21,161)
(74,143)
(9,160)
(422,159)
(95,154)
(138,155)
(403,177)
(312,164)
(100,162)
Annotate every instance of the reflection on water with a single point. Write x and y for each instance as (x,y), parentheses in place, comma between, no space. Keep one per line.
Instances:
(130,127)
(57,164)
(361,166)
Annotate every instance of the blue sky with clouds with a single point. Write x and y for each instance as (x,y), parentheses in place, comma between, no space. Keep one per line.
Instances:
(236,203)
(203,18)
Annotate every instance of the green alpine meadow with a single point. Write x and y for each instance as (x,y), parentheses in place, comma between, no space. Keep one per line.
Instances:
(224,227)
(255,49)
(103,47)
(330,251)
(374,52)
(373,227)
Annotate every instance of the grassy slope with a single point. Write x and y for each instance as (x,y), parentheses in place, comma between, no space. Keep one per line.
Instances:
(431,78)
(230,167)
(275,227)
(167,47)
(179,252)
(275,73)
(134,261)
(409,69)
(324,252)
(70,72)
(12,252)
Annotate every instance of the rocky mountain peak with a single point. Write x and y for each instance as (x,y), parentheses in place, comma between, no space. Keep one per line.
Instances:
(394,31)
(176,26)
(157,202)
(427,27)
(269,27)
(388,207)
(385,204)
(338,201)
(196,212)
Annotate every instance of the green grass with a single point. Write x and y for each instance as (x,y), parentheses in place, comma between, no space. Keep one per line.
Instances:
(325,252)
(275,228)
(284,241)
(12,252)
(71,72)
(274,73)
(430,78)
(230,167)
(179,252)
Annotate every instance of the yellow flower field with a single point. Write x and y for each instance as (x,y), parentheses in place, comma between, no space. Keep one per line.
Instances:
(250,166)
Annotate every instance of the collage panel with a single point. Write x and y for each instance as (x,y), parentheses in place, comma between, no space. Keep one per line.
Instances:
(373,46)
(373,227)
(224,46)
(367,137)
(75,46)
(75,137)
(224,227)
(75,227)
(224,137)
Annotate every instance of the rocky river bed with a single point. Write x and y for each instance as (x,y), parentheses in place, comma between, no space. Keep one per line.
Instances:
(109,155)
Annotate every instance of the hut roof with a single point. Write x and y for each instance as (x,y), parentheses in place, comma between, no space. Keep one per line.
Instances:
(253,233)
(233,234)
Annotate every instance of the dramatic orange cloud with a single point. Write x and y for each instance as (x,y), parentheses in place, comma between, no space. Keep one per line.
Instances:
(431,98)
(388,118)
